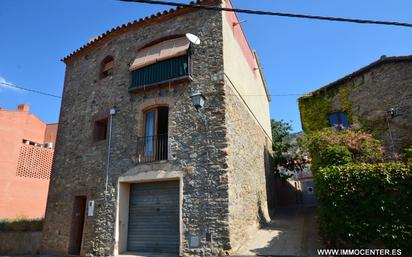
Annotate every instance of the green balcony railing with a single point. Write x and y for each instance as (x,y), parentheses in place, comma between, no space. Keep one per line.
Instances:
(161,72)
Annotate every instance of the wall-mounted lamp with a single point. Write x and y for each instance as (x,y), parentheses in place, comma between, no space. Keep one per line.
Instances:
(392,112)
(198,100)
(113,110)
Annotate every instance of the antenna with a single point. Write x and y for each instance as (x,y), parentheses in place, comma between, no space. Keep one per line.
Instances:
(238,22)
(193,38)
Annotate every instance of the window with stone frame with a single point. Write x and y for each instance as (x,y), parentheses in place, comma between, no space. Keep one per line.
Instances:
(106,67)
(338,120)
(153,146)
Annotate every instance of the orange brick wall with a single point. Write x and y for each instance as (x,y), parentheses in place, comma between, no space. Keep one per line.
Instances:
(24,169)
(50,133)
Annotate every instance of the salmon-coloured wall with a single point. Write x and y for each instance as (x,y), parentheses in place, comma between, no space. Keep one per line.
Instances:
(242,71)
(20,196)
(238,33)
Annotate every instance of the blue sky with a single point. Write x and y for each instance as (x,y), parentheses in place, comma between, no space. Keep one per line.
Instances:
(297,55)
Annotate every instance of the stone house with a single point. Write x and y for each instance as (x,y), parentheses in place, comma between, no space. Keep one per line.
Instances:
(26,155)
(164,145)
(376,98)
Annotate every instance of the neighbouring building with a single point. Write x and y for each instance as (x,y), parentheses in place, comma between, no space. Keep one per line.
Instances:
(295,186)
(26,156)
(294,183)
(164,145)
(376,98)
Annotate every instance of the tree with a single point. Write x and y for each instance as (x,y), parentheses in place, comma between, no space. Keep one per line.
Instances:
(281,135)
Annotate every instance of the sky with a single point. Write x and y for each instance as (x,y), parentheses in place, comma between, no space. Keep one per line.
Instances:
(297,55)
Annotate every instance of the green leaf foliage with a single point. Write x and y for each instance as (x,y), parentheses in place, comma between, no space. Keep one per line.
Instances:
(334,155)
(315,107)
(407,154)
(281,132)
(366,205)
(331,147)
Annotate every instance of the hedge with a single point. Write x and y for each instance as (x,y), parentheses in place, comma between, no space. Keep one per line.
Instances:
(20,225)
(366,205)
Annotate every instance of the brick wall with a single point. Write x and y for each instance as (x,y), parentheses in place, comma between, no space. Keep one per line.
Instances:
(25,169)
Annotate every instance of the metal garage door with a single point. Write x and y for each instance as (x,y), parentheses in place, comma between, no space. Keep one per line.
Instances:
(154,217)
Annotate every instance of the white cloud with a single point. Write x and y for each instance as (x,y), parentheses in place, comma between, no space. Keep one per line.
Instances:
(4,84)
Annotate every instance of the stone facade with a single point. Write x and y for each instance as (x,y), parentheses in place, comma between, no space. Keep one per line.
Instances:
(249,154)
(221,166)
(367,96)
(20,243)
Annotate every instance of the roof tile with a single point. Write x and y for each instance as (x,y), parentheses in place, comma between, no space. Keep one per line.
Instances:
(127,25)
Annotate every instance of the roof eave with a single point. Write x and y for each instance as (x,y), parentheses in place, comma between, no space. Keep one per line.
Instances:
(158,17)
(373,65)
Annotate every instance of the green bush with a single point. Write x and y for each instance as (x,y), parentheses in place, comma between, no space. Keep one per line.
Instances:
(334,155)
(361,146)
(20,225)
(363,205)
(407,154)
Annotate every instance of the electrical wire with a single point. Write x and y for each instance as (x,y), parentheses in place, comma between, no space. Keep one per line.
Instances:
(29,90)
(278,95)
(56,96)
(269,13)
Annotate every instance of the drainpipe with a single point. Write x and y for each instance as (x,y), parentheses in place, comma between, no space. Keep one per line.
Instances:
(391,115)
(112,112)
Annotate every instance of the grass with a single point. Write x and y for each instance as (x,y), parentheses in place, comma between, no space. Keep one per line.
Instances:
(21,225)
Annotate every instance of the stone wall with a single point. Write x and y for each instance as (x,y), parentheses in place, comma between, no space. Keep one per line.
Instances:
(366,99)
(20,243)
(79,165)
(249,151)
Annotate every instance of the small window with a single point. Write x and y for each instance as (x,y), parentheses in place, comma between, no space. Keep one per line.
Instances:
(338,120)
(100,130)
(106,67)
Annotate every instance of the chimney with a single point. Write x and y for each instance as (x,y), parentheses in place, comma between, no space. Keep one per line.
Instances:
(23,107)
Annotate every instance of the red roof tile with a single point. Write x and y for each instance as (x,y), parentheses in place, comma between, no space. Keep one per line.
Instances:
(140,22)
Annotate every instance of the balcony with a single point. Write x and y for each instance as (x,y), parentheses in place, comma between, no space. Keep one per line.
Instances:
(161,73)
(152,148)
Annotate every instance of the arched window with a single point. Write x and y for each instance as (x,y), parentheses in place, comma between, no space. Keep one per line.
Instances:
(106,67)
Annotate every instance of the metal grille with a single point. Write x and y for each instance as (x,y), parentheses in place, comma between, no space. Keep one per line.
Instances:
(35,162)
(153,148)
(154,217)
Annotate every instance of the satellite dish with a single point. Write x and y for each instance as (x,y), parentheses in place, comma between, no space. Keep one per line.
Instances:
(193,38)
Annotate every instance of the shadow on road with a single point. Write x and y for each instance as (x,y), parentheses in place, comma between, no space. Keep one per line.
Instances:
(292,232)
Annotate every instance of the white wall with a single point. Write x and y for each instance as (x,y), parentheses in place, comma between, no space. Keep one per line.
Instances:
(246,80)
